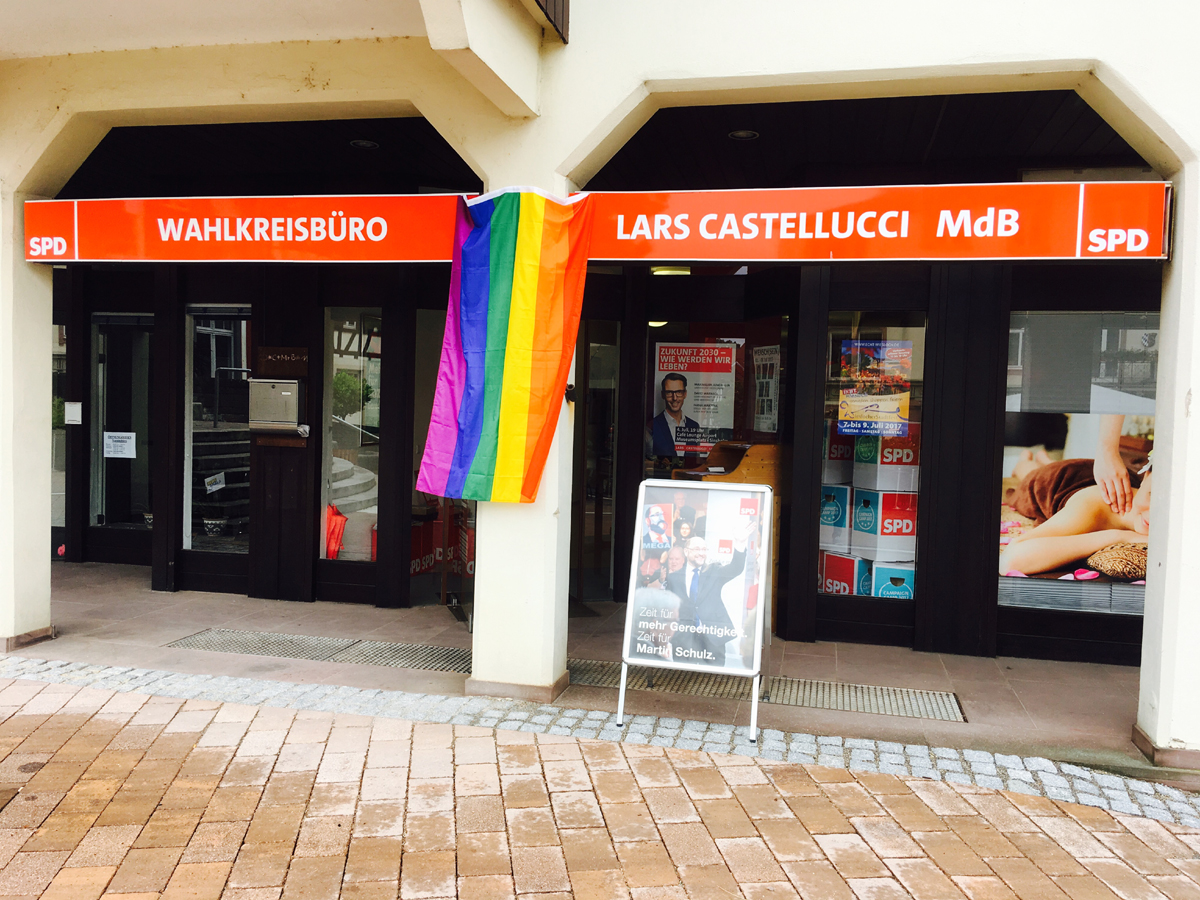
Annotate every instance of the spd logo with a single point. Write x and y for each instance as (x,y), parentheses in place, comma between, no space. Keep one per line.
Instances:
(47,246)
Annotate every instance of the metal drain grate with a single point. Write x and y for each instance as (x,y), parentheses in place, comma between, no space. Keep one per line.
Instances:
(696,684)
(406,656)
(888,701)
(869,698)
(263,643)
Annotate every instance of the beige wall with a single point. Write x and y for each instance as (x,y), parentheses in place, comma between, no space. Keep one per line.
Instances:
(626,59)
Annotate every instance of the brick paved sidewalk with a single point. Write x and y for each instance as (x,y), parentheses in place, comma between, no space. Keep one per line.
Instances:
(125,795)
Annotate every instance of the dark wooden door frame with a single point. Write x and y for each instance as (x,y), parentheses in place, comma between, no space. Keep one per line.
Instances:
(166,397)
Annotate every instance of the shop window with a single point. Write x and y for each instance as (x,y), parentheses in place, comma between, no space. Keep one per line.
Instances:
(120,488)
(442,530)
(708,383)
(216,493)
(713,407)
(350,442)
(1078,437)
(870,470)
(58,428)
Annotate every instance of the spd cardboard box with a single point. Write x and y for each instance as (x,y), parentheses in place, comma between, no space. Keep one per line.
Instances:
(838,464)
(893,580)
(884,525)
(835,517)
(845,574)
(887,463)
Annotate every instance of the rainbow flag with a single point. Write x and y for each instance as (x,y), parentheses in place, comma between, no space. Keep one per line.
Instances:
(516,292)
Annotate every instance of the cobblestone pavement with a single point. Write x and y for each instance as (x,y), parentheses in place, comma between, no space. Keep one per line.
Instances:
(1033,776)
(126,795)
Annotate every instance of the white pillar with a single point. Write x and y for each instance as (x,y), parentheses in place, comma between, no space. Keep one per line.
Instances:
(1168,722)
(523,562)
(26,326)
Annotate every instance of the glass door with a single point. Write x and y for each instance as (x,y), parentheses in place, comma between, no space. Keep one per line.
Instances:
(596,368)
(873,398)
(216,425)
(121,489)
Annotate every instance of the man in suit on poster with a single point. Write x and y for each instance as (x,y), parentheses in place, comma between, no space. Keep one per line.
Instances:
(666,423)
(702,611)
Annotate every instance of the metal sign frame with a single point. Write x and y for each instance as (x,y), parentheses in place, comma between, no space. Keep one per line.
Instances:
(763,605)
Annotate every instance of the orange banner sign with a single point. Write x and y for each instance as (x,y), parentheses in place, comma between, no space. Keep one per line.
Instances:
(409,228)
(1095,220)
(926,222)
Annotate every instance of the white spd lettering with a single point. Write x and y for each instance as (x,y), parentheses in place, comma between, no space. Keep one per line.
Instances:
(1101,240)
(898,526)
(47,246)
(833,586)
(841,451)
(898,455)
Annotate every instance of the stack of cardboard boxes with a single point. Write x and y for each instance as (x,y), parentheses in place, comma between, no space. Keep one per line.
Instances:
(869,513)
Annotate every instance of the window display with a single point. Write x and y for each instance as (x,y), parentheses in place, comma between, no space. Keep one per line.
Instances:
(1079,434)
(870,469)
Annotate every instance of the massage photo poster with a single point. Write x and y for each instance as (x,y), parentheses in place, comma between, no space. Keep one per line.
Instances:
(699,590)
(708,373)
(876,385)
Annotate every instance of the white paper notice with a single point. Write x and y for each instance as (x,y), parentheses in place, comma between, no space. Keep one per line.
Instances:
(214,482)
(72,413)
(120,445)
(766,388)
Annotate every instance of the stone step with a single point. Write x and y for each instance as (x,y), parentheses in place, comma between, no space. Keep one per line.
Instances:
(341,469)
(360,481)
(364,502)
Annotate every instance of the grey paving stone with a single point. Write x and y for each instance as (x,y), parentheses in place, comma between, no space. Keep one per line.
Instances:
(859,744)
(1020,775)
(893,769)
(659,741)
(684,743)
(945,753)
(949,765)
(771,754)
(957,777)
(588,733)
(834,762)
(989,781)
(893,758)
(636,727)
(637,737)
(1039,764)
(978,756)
(983,769)
(795,756)
(1054,780)
(772,734)
(1024,787)
(1060,793)
(715,748)
(826,740)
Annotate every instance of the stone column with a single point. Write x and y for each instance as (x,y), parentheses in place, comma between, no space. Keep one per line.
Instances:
(1168,722)
(26,329)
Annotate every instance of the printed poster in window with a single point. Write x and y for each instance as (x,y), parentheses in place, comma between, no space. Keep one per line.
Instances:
(694,406)
(876,381)
(766,388)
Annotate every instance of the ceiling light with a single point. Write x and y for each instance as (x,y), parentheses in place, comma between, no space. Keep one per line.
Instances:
(656,324)
(364,145)
(744,134)
(670,270)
